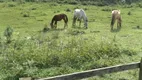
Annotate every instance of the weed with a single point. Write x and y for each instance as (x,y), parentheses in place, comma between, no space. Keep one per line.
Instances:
(68,10)
(8,34)
(129,13)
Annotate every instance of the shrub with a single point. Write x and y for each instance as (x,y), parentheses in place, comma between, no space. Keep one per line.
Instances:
(68,10)
(53,4)
(106,9)
(129,13)
(75,32)
(140,5)
(73,2)
(11,5)
(45,29)
(8,34)
(41,56)
(25,14)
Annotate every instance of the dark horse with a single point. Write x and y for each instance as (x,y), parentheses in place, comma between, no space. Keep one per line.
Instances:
(59,17)
(116,16)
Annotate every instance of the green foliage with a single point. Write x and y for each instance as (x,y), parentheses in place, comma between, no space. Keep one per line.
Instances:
(8,34)
(26,57)
(11,5)
(139,5)
(75,32)
(107,9)
(25,13)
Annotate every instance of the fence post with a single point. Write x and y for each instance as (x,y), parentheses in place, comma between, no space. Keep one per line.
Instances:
(140,73)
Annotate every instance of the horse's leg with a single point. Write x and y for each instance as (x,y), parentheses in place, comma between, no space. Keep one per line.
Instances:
(74,21)
(79,22)
(65,25)
(119,24)
(79,19)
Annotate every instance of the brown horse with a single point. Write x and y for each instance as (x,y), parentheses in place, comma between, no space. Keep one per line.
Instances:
(59,17)
(116,16)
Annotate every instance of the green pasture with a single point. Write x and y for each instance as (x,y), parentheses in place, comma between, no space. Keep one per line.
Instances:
(35,53)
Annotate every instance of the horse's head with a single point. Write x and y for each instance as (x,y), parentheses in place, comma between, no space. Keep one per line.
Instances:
(86,23)
(86,19)
(51,25)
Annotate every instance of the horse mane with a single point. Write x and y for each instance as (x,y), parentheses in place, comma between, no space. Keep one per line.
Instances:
(84,14)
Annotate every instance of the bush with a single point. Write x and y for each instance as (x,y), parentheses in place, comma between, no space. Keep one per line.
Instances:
(25,14)
(68,10)
(129,13)
(41,56)
(140,5)
(8,34)
(73,2)
(11,5)
(107,9)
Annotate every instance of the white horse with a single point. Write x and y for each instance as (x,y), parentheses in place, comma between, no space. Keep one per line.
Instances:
(80,14)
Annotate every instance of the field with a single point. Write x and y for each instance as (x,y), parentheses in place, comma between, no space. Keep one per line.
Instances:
(37,53)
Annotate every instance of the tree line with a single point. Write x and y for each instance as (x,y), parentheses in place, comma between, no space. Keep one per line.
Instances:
(85,2)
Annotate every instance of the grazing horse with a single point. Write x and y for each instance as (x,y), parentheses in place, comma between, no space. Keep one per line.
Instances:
(59,17)
(116,16)
(80,14)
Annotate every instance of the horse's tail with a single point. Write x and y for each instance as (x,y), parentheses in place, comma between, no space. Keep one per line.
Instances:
(66,18)
(120,20)
(113,19)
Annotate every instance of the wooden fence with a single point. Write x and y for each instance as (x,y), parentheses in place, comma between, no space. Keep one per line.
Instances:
(95,72)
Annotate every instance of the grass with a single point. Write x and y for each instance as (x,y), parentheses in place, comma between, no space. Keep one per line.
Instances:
(41,54)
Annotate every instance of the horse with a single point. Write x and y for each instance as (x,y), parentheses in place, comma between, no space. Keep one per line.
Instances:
(80,14)
(116,16)
(59,17)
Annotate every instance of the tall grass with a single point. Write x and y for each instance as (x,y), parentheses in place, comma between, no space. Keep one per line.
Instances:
(42,57)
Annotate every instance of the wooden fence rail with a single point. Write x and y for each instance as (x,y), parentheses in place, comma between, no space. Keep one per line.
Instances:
(95,72)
